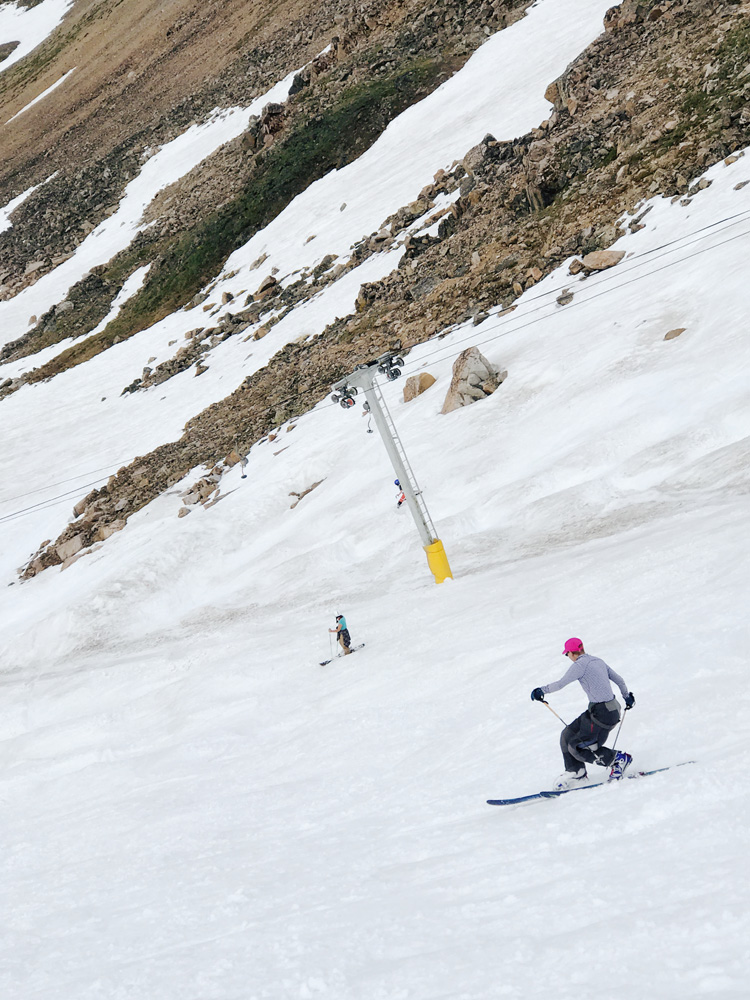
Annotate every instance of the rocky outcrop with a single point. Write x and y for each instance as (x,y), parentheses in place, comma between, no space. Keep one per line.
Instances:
(474,378)
(600,260)
(415,385)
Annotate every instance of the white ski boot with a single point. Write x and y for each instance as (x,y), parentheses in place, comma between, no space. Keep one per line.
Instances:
(569,779)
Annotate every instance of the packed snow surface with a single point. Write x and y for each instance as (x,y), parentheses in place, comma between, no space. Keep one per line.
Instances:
(194,807)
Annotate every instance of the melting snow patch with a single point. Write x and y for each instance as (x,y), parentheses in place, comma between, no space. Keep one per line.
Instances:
(41,97)
(29,27)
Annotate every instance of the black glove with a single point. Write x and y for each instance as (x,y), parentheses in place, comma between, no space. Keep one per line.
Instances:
(537,694)
(629,701)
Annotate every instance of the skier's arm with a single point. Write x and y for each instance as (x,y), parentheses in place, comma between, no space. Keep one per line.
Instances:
(614,676)
(573,673)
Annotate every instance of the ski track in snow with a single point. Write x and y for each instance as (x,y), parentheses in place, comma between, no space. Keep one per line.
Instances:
(193,806)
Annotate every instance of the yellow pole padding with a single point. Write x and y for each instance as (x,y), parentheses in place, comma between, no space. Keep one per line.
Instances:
(437,560)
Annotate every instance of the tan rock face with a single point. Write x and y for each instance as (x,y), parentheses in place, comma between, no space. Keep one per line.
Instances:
(105,531)
(417,384)
(69,548)
(473,378)
(552,93)
(674,333)
(269,286)
(600,260)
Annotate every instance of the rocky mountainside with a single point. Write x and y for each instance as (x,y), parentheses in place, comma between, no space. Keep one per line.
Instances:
(661,94)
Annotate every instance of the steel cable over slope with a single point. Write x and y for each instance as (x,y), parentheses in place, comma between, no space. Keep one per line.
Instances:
(51,486)
(504,329)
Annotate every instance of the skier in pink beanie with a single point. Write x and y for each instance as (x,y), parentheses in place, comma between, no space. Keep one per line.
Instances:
(582,742)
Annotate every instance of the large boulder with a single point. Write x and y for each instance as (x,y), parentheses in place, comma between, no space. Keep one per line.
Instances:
(600,260)
(105,531)
(417,384)
(69,548)
(269,286)
(473,378)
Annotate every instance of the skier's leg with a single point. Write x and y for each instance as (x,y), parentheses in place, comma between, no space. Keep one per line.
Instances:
(590,747)
(585,742)
(604,717)
(569,739)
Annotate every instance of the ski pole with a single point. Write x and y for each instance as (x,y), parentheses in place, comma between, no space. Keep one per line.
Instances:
(617,734)
(554,712)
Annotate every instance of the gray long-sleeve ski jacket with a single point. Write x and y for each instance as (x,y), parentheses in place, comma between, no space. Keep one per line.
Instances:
(593,675)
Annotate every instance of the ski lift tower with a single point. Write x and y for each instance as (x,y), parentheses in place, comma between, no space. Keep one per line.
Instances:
(363,377)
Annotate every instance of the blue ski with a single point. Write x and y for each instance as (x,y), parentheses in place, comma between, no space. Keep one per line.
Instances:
(579,788)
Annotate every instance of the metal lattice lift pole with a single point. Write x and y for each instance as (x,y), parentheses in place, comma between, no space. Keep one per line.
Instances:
(363,377)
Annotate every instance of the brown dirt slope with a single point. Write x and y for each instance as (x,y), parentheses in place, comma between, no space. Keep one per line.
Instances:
(137,61)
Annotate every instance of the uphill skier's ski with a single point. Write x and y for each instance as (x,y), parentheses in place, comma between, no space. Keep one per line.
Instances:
(555,793)
(352,649)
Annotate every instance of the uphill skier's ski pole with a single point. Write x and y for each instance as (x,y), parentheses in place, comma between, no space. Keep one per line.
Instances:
(617,734)
(554,712)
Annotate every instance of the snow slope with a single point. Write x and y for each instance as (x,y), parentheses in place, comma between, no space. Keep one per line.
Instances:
(194,808)
(478,99)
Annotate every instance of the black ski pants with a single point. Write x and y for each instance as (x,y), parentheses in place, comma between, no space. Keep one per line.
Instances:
(582,742)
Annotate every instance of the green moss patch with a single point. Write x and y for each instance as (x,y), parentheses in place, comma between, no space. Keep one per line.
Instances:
(325,139)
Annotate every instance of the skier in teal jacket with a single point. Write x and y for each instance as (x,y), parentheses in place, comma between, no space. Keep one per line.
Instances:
(343,634)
